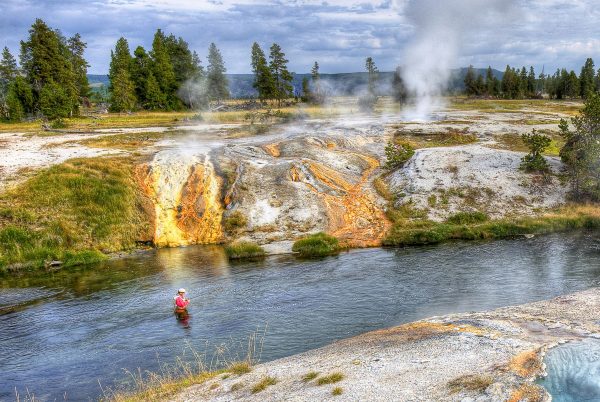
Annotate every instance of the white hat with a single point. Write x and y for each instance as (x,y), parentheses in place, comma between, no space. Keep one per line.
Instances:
(182,290)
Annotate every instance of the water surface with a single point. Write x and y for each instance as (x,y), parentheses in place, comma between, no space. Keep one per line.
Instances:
(64,331)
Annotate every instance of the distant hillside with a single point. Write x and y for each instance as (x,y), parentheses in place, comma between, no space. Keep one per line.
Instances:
(240,85)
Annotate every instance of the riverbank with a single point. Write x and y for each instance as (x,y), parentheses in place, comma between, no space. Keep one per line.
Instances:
(485,356)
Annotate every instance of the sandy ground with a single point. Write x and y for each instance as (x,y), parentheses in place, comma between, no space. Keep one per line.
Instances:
(437,359)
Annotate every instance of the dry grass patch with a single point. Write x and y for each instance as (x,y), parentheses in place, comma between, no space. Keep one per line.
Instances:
(331,378)
(240,368)
(311,375)
(260,386)
(337,391)
(474,382)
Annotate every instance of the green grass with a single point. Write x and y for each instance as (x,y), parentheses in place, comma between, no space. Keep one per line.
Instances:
(337,391)
(244,250)
(263,384)
(406,233)
(316,245)
(465,218)
(330,379)
(74,212)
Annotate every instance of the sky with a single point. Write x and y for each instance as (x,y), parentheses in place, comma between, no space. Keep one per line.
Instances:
(338,34)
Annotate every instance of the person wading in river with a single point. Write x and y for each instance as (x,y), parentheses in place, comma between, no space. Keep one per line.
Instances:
(181,304)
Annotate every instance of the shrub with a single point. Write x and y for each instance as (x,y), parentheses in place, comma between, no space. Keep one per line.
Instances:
(534,161)
(466,218)
(244,250)
(397,154)
(317,245)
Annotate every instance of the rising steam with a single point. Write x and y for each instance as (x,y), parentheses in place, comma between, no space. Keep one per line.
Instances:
(441,29)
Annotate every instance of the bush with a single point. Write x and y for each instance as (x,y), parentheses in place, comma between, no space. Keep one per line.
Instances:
(316,245)
(534,161)
(397,154)
(244,250)
(465,218)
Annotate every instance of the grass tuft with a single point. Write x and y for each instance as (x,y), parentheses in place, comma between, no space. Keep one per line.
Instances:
(316,245)
(311,375)
(244,250)
(337,391)
(240,368)
(263,384)
(331,378)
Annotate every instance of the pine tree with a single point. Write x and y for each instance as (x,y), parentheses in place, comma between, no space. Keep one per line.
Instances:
(470,82)
(531,82)
(162,68)
(8,67)
(282,78)
(490,82)
(122,89)
(8,72)
(55,102)
(140,70)
(76,48)
(263,80)
(372,76)
(154,98)
(523,82)
(586,79)
(46,59)
(217,84)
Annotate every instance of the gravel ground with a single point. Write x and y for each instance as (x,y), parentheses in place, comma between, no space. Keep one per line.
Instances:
(485,356)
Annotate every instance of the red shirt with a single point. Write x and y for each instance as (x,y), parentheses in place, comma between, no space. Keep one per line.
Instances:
(181,302)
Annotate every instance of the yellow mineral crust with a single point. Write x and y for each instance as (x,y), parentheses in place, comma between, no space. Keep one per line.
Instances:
(186,196)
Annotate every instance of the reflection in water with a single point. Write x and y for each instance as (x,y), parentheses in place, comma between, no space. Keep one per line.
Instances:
(65,330)
(574,372)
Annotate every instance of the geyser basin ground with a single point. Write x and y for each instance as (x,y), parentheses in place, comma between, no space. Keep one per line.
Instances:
(119,313)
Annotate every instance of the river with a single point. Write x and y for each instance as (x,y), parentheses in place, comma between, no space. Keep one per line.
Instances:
(64,333)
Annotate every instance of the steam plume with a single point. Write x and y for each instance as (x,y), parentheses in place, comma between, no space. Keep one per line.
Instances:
(441,27)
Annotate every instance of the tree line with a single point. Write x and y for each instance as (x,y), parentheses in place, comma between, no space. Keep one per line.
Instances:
(168,77)
(51,80)
(523,83)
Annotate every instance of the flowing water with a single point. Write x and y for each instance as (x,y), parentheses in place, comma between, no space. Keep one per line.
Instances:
(63,332)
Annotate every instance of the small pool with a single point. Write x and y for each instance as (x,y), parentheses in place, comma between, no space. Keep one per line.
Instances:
(573,372)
